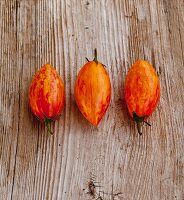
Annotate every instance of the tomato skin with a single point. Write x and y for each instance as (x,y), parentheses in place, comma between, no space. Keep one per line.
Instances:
(93,91)
(142,89)
(46,94)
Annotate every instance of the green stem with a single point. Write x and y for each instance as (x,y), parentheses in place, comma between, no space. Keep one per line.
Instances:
(147,123)
(87,59)
(95,56)
(47,123)
(139,128)
(139,120)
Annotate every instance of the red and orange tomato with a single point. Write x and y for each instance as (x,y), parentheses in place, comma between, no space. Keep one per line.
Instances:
(142,91)
(93,91)
(46,95)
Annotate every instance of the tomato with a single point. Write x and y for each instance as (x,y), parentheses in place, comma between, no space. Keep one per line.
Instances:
(46,95)
(93,91)
(142,91)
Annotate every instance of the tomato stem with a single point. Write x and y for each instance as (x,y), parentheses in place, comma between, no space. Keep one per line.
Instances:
(47,123)
(139,128)
(95,56)
(87,59)
(139,120)
(147,123)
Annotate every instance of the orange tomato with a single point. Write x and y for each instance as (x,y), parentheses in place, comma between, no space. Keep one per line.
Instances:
(93,91)
(46,95)
(142,91)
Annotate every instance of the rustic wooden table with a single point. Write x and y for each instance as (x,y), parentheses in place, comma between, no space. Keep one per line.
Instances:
(126,166)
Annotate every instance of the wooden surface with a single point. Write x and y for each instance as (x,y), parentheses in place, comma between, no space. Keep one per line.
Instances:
(35,165)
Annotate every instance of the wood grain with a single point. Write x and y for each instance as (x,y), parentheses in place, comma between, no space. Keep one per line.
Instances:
(35,165)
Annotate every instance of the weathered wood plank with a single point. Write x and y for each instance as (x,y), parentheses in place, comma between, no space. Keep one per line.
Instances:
(34,165)
(9,98)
